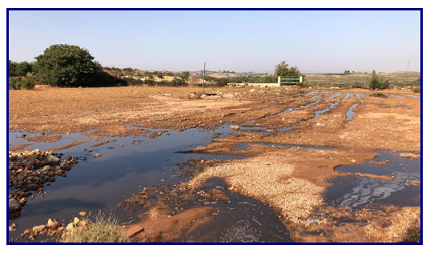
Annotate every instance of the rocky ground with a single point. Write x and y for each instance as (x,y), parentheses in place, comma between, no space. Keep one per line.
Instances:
(290,180)
(29,171)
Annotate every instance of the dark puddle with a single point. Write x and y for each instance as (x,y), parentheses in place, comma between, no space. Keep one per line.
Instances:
(398,96)
(253,128)
(318,113)
(100,183)
(239,219)
(292,109)
(311,93)
(414,96)
(347,95)
(334,95)
(321,94)
(358,192)
(350,112)
(290,128)
(243,146)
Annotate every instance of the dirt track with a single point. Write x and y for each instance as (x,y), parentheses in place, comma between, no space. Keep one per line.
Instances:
(300,175)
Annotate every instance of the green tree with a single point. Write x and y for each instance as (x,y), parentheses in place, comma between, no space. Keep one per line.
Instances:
(66,65)
(12,69)
(282,70)
(185,75)
(376,82)
(23,68)
(293,71)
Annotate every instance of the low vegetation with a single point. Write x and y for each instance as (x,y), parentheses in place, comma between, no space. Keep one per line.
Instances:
(102,230)
(377,82)
(16,83)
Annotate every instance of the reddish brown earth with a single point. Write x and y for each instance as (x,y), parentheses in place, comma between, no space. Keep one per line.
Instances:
(298,176)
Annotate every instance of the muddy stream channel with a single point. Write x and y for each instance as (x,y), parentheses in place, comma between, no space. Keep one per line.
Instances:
(128,164)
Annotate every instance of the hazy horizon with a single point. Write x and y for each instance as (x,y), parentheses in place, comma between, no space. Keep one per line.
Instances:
(241,41)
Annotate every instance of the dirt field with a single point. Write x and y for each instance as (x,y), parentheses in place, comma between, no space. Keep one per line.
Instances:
(291,180)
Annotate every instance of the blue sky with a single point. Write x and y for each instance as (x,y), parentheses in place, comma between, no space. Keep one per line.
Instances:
(315,41)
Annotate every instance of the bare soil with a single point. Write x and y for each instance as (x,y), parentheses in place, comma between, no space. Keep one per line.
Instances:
(290,180)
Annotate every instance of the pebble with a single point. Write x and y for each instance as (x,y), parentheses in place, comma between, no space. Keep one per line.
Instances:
(12,227)
(70,227)
(52,224)
(38,228)
(76,221)
(82,213)
(14,205)
(98,155)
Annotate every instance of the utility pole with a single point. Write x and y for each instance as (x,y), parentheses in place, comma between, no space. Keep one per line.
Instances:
(203,78)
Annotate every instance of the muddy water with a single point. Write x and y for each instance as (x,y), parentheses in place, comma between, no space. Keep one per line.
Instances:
(243,146)
(239,219)
(414,96)
(357,192)
(334,95)
(126,165)
(350,111)
(347,95)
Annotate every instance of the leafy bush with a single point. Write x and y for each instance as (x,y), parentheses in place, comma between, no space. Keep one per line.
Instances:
(102,230)
(282,70)
(66,65)
(185,75)
(20,69)
(377,82)
(21,83)
(149,82)
(379,95)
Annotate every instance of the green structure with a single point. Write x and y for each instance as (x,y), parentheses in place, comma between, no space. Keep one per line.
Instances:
(289,80)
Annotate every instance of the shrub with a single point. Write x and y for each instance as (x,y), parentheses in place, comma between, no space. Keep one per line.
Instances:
(379,95)
(20,69)
(416,90)
(21,83)
(66,65)
(281,69)
(102,230)
(377,82)
(149,82)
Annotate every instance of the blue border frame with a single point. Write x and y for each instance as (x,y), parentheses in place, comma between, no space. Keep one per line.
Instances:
(217,9)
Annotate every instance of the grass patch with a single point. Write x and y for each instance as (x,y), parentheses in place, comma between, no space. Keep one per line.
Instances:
(102,230)
(379,95)
(17,83)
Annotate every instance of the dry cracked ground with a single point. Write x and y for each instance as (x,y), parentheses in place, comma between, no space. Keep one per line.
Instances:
(325,129)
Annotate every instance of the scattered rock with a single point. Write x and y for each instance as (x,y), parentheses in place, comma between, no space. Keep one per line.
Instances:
(52,224)
(70,227)
(234,127)
(82,213)
(12,227)
(14,205)
(98,155)
(39,228)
